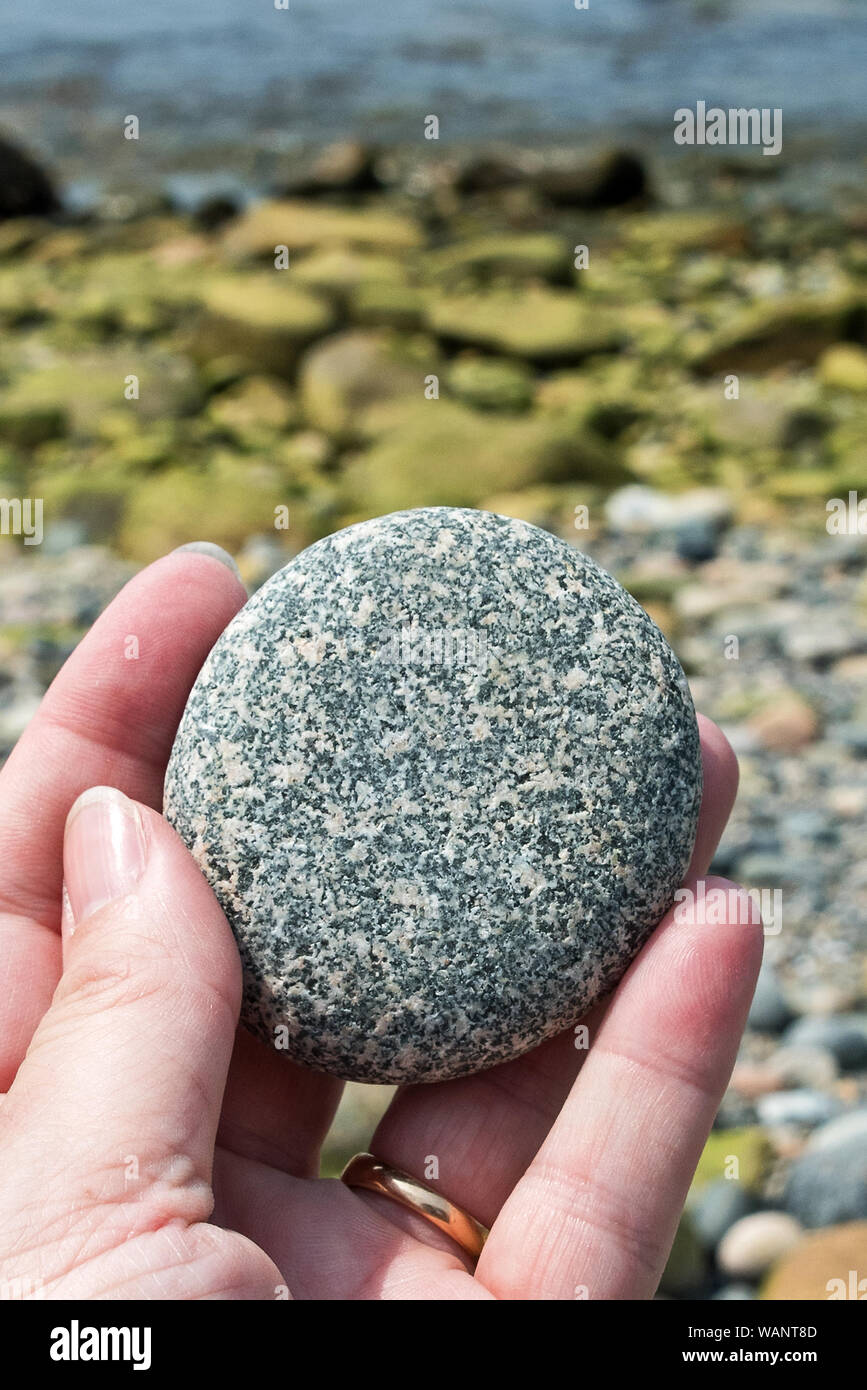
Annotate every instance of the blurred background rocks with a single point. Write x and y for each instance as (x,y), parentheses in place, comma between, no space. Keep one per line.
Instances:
(438,336)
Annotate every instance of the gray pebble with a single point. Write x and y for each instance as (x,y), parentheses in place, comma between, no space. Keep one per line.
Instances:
(717,1207)
(812,1068)
(443,774)
(845,1039)
(804,1109)
(769,1011)
(827,1184)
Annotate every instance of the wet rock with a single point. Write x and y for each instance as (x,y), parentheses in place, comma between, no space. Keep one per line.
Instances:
(509,453)
(348,166)
(492,384)
(844,368)
(606,179)
(541,325)
(673,234)
(814,826)
(756,1242)
(214,212)
(16,715)
(76,393)
(388,304)
(25,188)
(27,425)
(536,255)
(486,173)
(253,410)
(776,334)
(338,270)
(302,226)
(260,319)
(62,536)
(230,498)
(343,378)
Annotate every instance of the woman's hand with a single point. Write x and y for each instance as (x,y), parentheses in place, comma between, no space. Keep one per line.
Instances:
(149,1149)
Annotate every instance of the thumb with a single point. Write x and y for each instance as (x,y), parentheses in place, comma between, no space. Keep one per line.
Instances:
(134,1050)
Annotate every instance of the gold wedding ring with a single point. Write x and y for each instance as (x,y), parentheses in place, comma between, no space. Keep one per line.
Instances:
(366,1171)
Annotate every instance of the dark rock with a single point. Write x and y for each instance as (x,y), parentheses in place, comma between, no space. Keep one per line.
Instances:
(25,188)
(697,540)
(347,167)
(769,1011)
(605,180)
(350,166)
(803,428)
(216,211)
(486,174)
(717,1207)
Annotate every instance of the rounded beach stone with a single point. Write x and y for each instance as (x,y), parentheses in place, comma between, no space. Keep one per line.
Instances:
(443,774)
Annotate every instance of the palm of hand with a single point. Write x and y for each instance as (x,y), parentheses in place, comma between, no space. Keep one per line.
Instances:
(148,1150)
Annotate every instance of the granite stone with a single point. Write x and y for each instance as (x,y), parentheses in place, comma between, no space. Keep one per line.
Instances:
(443,774)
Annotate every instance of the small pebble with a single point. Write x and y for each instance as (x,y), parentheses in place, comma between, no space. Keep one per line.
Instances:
(756,1242)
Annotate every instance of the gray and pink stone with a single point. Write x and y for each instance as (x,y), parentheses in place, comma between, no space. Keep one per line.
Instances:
(443,774)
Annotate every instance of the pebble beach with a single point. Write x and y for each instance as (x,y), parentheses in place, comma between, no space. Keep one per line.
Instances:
(660,359)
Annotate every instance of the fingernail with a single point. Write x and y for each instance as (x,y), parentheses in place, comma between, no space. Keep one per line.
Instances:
(216,552)
(104,851)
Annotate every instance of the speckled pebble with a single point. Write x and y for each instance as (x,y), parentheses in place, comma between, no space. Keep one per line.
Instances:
(443,774)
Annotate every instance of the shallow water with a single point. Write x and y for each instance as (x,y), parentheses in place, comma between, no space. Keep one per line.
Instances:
(205,71)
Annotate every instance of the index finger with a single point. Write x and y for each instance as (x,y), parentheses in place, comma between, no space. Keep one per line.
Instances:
(109,718)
